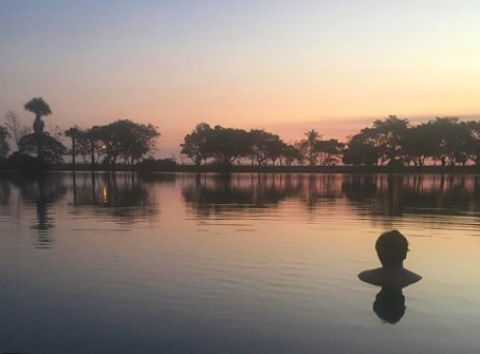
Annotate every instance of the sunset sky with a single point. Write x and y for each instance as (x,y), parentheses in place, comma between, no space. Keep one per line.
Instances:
(286,66)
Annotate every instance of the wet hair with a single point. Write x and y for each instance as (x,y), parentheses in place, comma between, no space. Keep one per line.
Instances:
(389,305)
(391,248)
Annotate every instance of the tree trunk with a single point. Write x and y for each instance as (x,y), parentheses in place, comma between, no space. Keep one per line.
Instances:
(92,154)
(73,154)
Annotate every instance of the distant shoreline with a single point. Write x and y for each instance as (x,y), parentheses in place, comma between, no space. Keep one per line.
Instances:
(272,169)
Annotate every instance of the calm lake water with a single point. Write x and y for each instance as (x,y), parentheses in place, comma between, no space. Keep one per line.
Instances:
(185,263)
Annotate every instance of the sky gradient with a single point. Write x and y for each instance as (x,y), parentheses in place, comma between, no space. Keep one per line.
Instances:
(285,66)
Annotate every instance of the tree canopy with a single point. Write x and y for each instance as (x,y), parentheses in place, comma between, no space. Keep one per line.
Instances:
(52,150)
(127,140)
(194,145)
(392,141)
(40,108)
(227,146)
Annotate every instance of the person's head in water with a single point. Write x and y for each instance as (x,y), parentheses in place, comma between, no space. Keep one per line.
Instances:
(392,248)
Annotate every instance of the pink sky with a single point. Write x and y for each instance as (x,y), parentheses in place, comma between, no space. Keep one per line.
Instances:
(284,66)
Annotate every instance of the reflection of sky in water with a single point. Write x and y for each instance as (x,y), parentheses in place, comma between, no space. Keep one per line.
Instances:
(251,263)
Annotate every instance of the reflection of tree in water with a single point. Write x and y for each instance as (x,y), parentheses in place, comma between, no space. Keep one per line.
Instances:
(44,191)
(216,194)
(359,188)
(127,197)
(369,194)
(119,195)
(208,194)
(319,188)
(415,194)
(4,191)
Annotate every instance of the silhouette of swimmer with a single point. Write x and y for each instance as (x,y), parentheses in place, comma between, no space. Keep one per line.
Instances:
(392,248)
(389,304)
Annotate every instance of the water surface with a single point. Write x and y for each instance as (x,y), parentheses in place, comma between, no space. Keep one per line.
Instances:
(251,263)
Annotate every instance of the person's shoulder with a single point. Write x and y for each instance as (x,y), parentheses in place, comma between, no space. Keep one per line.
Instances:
(412,277)
(370,275)
(364,274)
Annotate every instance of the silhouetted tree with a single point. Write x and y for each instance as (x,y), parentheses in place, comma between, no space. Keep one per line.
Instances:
(109,137)
(257,141)
(310,146)
(265,146)
(82,146)
(275,149)
(360,151)
(194,144)
(52,150)
(40,108)
(73,133)
(91,144)
(136,140)
(301,148)
(388,136)
(452,140)
(226,145)
(419,144)
(46,148)
(124,139)
(291,155)
(382,142)
(474,127)
(391,141)
(4,148)
(329,151)
(15,127)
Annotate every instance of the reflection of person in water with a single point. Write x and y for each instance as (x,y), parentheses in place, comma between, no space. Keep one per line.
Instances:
(392,248)
(389,305)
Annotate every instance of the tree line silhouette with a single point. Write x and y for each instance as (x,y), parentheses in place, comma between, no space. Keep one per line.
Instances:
(445,141)
(122,140)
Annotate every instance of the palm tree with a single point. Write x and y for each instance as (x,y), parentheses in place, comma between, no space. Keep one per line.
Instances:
(73,133)
(312,138)
(93,139)
(40,108)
